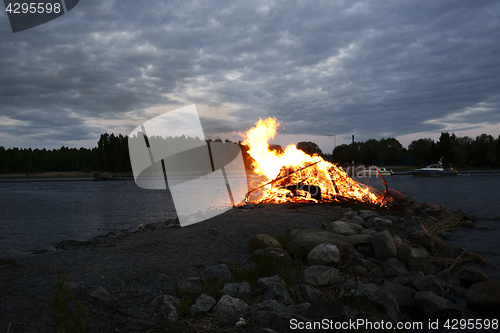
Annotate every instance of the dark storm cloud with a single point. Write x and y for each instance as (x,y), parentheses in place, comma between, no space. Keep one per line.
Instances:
(367,68)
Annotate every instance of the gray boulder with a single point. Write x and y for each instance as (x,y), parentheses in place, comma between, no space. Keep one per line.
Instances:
(187,287)
(360,239)
(358,270)
(371,299)
(278,255)
(261,241)
(422,238)
(357,219)
(321,276)
(308,294)
(470,274)
(270,305)
(166,306)
(135,229)
(429,283)
(229,306)
(431,305)
(397,241)
(349,213)
(382,222)
(485,296)
(366,214)
(278,293)
(303,242)
(38,250)
(418,259)
(344,228)
(268,281)
(324,254)
(239,290)
(371,266)
(395,264)
(217,272)
(383,245)
(273,315)
(408,278)
(403,295)
(403,250)
(101,294)
(203,304)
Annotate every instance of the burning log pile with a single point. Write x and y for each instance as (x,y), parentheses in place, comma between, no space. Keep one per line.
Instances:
(294,176)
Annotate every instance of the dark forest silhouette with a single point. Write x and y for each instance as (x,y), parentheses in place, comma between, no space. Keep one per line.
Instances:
(112,154)
(484,151)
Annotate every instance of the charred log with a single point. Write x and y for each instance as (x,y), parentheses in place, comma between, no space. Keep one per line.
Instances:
(314,190)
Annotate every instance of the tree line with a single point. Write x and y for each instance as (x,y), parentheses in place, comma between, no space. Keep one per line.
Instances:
(112,154)
(483,151)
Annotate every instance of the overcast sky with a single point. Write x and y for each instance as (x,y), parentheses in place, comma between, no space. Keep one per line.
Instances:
(404,69)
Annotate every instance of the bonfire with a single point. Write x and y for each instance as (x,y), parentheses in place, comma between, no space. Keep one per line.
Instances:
(294,176)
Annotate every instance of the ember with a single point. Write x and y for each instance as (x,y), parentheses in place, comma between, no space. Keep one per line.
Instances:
(294,176)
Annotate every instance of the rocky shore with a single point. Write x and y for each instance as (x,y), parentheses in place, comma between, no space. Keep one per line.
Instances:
(262,268)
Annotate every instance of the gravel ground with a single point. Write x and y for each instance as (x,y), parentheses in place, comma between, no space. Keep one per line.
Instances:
(137,268)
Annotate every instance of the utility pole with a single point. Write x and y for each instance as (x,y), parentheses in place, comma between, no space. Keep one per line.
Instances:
(334,142)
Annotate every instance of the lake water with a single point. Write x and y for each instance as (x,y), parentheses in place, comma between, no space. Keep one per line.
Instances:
(40,213)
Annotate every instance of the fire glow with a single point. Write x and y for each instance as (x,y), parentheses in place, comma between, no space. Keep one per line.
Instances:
(294,176)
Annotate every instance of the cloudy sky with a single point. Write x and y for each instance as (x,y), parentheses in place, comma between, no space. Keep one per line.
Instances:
(404,69)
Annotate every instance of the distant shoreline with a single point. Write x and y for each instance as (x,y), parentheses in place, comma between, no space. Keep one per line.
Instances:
(129,175)
(65,174)
(69,176)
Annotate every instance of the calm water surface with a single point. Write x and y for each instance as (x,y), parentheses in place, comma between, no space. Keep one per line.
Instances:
(40,213)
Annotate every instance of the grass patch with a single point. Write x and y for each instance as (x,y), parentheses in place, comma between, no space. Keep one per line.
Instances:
(285,238)
(445,265)
(269,264)
(454,222)
(266,265)
(212,286)
(67,317)
(187,297)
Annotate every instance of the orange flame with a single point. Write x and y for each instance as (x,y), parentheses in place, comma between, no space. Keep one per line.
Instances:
(292,169)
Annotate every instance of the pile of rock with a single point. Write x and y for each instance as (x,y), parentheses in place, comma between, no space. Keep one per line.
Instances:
(360,265)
